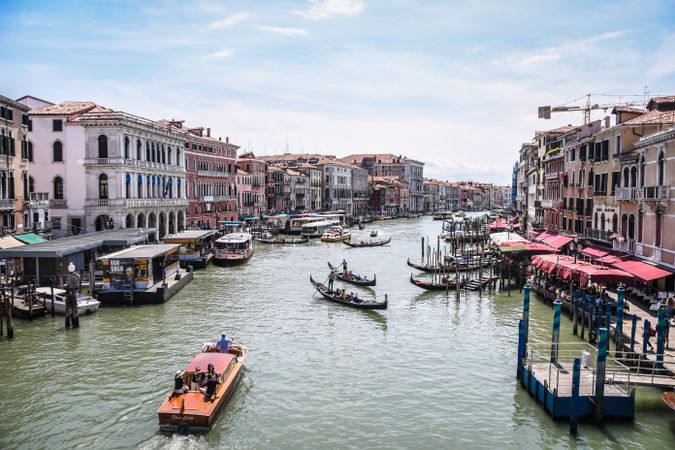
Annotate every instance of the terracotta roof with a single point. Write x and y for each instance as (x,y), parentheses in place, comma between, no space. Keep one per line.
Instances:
(654,117)
(67,108)
(321,159)
(628,109)
(664,99)
(13,103)
(384,158)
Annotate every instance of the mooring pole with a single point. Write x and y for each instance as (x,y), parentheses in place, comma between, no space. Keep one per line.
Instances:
(522,336)
(583,315)
(618,336)
(591,311)
(575,309)
(601,368)
(598,317)
(645,337)
(526,310)
(661,337)
(633,329)
(608,322)
(51,288)
(574,400)
(555,338)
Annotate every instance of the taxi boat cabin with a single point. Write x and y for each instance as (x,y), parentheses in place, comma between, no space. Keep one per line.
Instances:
(195,247)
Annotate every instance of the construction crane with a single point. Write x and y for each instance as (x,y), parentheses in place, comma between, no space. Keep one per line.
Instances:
(545,111)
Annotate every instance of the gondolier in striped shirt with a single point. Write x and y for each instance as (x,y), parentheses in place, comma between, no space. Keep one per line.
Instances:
(331,279)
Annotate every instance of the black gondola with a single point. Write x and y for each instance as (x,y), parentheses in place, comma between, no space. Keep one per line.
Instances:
(354,279)
(429,286)
(356,303)
(283,241)
(446,267)
(370,243)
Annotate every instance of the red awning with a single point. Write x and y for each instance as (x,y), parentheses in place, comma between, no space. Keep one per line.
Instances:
(594,252)
(564,267)
(642,270)
(558,241)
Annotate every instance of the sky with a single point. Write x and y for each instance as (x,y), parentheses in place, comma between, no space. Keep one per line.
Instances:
(455,84)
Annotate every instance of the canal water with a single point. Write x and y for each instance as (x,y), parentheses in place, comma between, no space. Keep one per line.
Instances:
(429,372)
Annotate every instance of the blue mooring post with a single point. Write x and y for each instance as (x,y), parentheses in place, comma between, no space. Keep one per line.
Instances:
(526,310)
(583,315)
(600,374)
(521,348)
(574,400)
(608,321)
(598,318)
(618,336)
(645,336)
(633,329)
(591,310)
(555,339)
(660,337)
(575,312)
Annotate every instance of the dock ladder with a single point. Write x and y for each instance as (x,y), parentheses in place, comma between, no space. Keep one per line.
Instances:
(129,297)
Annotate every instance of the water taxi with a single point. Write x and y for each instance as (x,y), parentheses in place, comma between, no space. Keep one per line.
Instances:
(335,234)
(196,247)
(316,229)
(190,411)
(233,248)
(85,303)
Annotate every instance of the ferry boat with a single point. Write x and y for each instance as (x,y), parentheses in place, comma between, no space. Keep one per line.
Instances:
(233,248)
(196,247)
(189,412)
(335,234)
(85,303)
(316,229)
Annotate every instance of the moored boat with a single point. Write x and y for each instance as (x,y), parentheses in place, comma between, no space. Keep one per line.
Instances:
(445,284)
(233,248)
(370,243)
(351,278)
(374,233)
(85,303)
(354,302)
(335,233)
(669,399)
(282,240)
(190,411)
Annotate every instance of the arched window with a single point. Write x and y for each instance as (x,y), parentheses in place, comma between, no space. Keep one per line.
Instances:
(178,157)
(626,176)
(602,222)
(615,223)
(139,151)
(657,228)
(581,177)
(641,219)
(163,155)
(631,226)
(31,184)
(126,147)
(103,186)
(624,225)
(595,221)
(590,177)
(102,146)
(127,185)
(642,170)
(660,173)
(633,177)
(168,155)
(58,188)
(58,152)
(147,150)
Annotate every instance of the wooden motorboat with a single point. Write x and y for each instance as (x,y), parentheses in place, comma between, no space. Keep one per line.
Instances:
(233,248)
(669,399)
(354,302)
(352,278)
(370,243)
(451,283)
(282,240)
(189,412)
(335,234)
(85,303)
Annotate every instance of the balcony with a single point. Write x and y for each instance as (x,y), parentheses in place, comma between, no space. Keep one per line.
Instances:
(133,163)
(213,173)
(7,204)
(38,200)
(626,193)
(7,230)
(653,193)
(150,202)
(598,235)
(625,246)
(42,227)
(599,193)
(58,203)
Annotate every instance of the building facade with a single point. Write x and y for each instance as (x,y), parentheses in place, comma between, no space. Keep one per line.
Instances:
(252,202)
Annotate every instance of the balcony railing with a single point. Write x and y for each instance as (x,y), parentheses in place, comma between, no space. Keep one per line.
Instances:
(213,173)
(148,202)
(58,203)
(653,193)
(625,246)
(7,203)
(597,235)
(133,163)
(626,193)
(43,226)
(7,230)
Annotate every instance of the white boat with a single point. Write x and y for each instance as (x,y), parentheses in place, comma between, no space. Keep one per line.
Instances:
(335,234)
(316,229)
(374,233)
(85,303)
(233,248)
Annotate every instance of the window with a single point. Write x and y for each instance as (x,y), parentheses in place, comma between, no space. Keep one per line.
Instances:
(617,146)
(103,186)
(102,146)
(605,150)
(582,153)
(58,188)
(58,152)
(615,181)
(126,147)
(660,174)
(30,151)
(139,152)
(590,178)
(633,177)
(626,177)
(57,125)
(590,151)
(56,223)
(631,226)
(657,230)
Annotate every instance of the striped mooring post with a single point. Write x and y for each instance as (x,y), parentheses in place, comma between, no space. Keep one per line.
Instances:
(574,400)
(598,318)
(575,312)
(645,336)
(660,338)
(633,329)
(526,310)
(618,336)
(591,312)
(608,320)
(583,315)
(521,348)
(601,368)
(555,339)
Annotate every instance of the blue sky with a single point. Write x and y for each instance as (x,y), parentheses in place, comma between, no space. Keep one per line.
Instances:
(452,83)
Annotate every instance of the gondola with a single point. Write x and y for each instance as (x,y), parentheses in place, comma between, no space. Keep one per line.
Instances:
(283,241)
(370,243)
(445,268)
(354,279)
(359,303)
(429,286)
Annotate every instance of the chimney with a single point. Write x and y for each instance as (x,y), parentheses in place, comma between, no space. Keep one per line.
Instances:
(227,140)
(606,121)
(220,139)
(208,132)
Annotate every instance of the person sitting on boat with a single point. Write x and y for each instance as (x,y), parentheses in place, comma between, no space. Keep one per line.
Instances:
(210,371)
(444,280)
(223,345)
(197,379)
(210,388)
(179,384)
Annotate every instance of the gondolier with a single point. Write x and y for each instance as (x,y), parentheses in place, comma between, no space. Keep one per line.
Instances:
(331,279)
(344,265)
(72,283)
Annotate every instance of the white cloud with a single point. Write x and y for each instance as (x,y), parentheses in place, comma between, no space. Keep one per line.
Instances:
(283,30)
(222,54)
(662,63)
(325,9)
(229,21)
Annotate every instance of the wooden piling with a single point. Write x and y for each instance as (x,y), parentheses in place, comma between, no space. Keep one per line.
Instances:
(574,399)
(51,287)
(601,367)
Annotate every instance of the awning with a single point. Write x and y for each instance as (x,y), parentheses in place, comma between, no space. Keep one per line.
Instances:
(30,238)
(642,270)
(582,272)
(532,248)
(227,223)
(594,252)
(10,242)
(558,241)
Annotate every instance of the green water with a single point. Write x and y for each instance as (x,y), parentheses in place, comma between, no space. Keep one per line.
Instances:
(429,372)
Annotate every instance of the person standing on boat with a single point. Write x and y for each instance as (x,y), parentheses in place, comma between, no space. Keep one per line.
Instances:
(72,283)
(344,265)
(331,280)
(223,345)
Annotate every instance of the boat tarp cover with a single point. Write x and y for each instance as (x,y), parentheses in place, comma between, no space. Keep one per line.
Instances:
(10,242)
(30,238)
(220,361)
